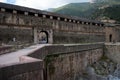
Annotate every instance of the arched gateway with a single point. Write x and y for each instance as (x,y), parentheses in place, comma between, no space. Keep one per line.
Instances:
(43,37)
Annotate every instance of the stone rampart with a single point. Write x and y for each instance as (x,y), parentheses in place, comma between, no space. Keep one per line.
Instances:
(59,28)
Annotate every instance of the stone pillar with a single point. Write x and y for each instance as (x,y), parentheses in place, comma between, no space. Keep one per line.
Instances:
(35,35)
(50,37)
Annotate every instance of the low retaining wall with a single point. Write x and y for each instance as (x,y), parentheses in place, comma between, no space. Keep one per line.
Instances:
(5,49)
(22,71)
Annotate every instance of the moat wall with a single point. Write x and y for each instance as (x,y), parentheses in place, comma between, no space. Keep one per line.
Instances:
(71,66)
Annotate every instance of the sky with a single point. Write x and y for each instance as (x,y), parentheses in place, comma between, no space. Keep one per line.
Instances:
(42,4)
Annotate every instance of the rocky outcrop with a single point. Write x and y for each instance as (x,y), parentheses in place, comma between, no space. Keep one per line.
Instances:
(104,66)
(104,69)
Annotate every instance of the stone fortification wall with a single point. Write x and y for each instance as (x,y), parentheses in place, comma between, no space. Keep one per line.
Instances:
(112,51)
(71,66)
(65,29)
(112,34)
(12,34)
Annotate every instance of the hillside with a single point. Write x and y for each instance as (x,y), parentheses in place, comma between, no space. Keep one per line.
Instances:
(109,9)
(108,13)
(76,9)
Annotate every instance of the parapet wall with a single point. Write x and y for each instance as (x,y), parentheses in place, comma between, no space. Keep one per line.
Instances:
(22,71)
(5,49)
(68,48)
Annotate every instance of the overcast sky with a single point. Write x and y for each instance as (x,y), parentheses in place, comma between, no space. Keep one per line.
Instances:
(42,4)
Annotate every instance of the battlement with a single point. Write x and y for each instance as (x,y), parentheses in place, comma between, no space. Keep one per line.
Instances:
(40,13)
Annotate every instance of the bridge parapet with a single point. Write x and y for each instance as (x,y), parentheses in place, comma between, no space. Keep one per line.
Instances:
(23,70)
(63,49)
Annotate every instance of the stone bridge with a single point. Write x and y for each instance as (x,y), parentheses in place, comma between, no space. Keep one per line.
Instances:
(52,62)
(26,25)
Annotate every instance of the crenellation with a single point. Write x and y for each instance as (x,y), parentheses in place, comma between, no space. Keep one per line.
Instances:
(51,17)
(78,22)
(36,15)
(14,12)
(58,18)
(2,10)
(65,19)
(26,13)
(44,16)
(44,13)
(69,20)
(74,21)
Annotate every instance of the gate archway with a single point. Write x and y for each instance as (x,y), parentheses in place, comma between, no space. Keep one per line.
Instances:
(43,37)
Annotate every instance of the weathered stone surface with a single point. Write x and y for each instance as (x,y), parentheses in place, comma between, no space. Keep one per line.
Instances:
(70,66)
(59,31)
(114,32)
(61,62)
(21,35)
(22,71)
(112,50)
